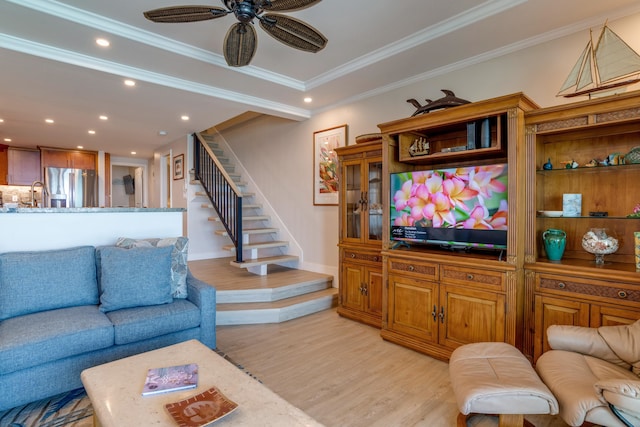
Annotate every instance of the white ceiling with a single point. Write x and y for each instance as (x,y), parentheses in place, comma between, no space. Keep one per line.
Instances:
(51,67)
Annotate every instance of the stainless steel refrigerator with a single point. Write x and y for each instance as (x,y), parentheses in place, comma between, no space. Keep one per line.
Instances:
(71,188)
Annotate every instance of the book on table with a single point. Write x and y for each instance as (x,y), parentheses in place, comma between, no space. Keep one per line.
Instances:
(170,378)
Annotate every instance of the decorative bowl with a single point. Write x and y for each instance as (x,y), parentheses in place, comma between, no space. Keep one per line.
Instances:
(633,156)
(550,213)
(597,242)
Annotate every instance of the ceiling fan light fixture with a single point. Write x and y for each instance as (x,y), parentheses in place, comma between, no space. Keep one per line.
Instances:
(241,39)
(240,45)
(293,32)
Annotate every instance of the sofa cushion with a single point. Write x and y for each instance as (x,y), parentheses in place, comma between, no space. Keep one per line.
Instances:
(178,259)
(45,280)
(37,338)
(134,277)
(141,323)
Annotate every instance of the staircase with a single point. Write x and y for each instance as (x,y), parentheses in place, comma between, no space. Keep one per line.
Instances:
(259,240)
(265,286)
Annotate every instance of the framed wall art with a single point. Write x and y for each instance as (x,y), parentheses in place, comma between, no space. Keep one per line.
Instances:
(325,164)
(178,167)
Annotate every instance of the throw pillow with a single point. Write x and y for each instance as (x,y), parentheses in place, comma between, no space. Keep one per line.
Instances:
(36,281)
(178,259)
(134,277)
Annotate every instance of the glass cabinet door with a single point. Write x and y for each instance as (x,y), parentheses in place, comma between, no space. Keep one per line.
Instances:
(374,201)
(353,201)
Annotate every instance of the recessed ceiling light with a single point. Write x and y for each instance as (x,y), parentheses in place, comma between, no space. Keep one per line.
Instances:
(102,42)
(92,132)
(184,118)
(1,120)
(129,82)
(134,153)
(80,147)
(308,99)
(162,132)
(50,121)
(104,118)
(7,140)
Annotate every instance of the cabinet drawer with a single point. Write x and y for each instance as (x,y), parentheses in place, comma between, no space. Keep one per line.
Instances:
(349,255)
(487,279)
(585,288)
(424,270)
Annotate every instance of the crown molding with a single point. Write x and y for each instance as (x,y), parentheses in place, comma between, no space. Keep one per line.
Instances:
(73,58)
(92,20)
(461,20)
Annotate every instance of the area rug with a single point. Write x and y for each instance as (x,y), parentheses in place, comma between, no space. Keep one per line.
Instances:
(71,409)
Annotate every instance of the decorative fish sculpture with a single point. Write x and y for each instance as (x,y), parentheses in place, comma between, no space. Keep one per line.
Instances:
(449,100)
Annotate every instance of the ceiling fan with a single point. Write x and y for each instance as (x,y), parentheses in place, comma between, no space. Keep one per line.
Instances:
(241,39)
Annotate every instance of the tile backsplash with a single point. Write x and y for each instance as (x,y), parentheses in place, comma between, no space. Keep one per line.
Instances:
(20,192)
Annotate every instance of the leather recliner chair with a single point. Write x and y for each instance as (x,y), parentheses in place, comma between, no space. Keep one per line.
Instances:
(593,373)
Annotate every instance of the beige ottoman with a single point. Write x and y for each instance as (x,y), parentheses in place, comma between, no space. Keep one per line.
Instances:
(494,378)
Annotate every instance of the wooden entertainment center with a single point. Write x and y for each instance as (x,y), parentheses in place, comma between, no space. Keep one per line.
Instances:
(434,299)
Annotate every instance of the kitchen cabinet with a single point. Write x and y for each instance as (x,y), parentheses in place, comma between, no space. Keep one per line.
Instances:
(584,148)
(75,159)
(435,306)
(24,166)
(3,164)
(360,233)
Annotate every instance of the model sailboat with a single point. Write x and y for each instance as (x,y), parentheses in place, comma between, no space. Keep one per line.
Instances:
(610,64)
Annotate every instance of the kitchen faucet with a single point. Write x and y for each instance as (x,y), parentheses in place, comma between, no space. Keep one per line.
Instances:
(33,193)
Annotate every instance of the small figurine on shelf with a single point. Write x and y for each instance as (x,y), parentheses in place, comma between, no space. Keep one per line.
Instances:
(548,165)
(591,164)
(636,212)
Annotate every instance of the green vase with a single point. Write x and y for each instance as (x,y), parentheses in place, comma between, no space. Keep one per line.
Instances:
(554,243)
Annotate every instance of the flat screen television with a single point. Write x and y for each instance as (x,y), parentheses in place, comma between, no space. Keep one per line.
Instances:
(456,208)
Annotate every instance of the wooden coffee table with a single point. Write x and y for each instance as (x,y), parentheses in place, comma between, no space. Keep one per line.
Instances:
(115,391)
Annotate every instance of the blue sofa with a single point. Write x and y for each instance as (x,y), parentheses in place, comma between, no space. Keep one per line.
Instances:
(62,311)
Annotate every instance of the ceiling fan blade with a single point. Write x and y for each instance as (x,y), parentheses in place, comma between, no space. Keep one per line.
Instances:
(287,5)
(293,32)
(240,44)
(185,13)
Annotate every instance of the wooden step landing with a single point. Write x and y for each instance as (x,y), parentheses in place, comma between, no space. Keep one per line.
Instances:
(279,259)
(245,298)
(249,231)
(278,311)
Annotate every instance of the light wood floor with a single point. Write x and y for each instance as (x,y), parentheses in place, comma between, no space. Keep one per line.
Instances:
(226,277)
(343,374)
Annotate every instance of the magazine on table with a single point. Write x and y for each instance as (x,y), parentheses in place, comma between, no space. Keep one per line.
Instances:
(170,378)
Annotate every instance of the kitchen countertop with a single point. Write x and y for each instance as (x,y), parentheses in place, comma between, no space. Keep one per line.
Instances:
(88,210)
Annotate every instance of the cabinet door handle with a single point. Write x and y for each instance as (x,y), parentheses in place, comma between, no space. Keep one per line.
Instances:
(411,268)
(441,315)
(469,276)
(434,313)
(365,289)
(622,294)
(353,255)
(365,200)
(561,285)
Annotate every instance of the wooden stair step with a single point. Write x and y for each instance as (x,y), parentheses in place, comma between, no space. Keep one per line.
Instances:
(245,218)
(259,245)
(279,303)
(249,231)
(244,206)
(276,312)
(264,261)
(204,194)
